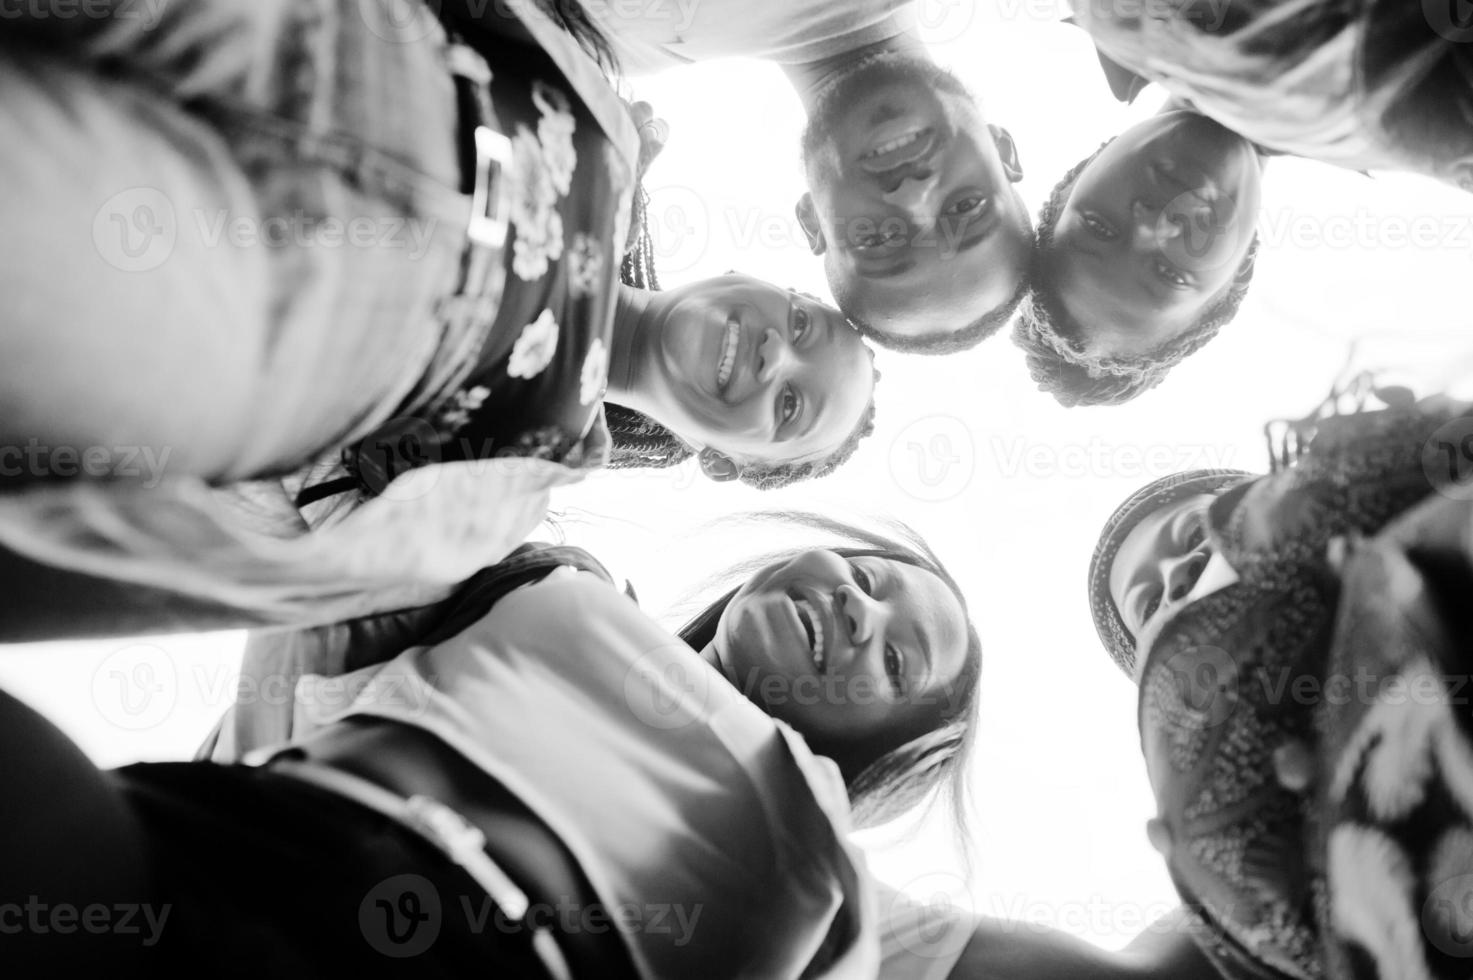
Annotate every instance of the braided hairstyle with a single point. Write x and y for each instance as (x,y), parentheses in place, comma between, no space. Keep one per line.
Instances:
(1050,337)
(639,442)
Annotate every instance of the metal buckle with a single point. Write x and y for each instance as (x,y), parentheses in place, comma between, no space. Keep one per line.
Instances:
(491,199)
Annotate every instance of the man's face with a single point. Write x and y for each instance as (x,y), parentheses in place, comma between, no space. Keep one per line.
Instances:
(911,200)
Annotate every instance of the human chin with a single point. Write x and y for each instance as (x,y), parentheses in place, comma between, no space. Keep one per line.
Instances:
(881,100)
(691,345)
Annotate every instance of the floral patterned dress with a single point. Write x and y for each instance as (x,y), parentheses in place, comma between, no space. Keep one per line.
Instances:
(461,474)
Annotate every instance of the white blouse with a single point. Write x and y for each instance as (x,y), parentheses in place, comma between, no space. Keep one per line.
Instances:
(677,795)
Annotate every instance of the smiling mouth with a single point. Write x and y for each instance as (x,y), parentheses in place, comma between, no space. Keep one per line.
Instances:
(730,345)
(899,151)
(812,624)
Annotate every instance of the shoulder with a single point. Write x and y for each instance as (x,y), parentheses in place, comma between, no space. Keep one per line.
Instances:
(920,939)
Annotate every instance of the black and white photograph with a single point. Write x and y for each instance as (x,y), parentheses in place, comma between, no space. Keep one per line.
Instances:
(753,489)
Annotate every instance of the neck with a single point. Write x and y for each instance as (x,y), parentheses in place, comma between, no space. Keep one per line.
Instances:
(634,311)
(811,78)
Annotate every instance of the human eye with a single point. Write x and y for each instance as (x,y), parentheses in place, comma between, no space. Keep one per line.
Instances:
(801,322)
(863,579)
(895,668)
(1098,226)
(788,405)
(967,205)
(1197,532)
(1152,603)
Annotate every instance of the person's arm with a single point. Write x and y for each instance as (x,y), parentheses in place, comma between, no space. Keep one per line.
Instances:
(1002,950)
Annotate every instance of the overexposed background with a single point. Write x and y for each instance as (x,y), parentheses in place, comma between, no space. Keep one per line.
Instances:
(1009,488)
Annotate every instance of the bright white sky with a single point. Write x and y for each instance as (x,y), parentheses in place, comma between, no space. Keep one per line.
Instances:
(1009,488)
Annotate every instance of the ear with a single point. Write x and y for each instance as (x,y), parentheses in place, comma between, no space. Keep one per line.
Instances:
(1007,151)
(808,219)
(722,469)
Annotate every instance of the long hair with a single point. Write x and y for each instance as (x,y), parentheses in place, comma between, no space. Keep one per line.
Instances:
(890,774)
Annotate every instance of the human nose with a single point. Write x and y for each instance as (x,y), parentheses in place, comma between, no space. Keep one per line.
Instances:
(1179,574)
(916,196)
(1149,229)
(859,614)
(773,356)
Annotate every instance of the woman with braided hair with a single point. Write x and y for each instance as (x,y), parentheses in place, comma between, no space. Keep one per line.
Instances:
(383,421)
(1145,249)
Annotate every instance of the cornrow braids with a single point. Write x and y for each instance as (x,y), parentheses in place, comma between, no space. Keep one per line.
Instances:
(1049,336)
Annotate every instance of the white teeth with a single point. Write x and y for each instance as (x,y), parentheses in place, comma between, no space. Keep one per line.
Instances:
(816,622)
(895,144)
(728,353)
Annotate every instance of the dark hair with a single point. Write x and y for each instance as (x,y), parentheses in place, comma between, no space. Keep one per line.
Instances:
(571,16)
(1050,337)
(887,775)
(950,342)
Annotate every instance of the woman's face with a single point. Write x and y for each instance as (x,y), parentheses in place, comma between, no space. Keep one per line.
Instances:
(1159,562)
(757,373)
(844,648)
(1154,230)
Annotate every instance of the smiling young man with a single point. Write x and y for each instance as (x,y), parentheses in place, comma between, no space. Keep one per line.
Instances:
(910,200)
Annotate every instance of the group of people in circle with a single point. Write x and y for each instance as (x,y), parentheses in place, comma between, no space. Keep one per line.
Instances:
(358,442)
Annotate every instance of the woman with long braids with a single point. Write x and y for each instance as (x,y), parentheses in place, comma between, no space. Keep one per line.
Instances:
(381,421)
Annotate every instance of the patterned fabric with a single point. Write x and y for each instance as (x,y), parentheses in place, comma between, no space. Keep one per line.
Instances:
(507,410)
(535,386)
(1396,794)
(1244,678)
